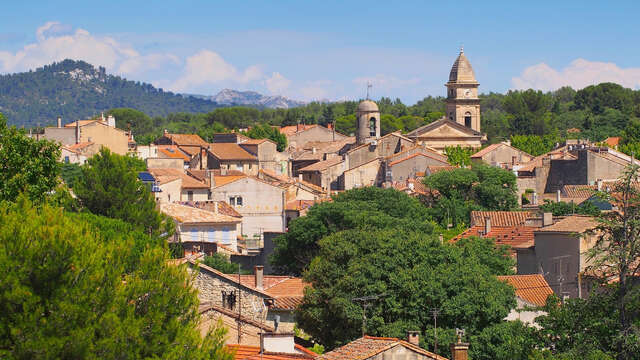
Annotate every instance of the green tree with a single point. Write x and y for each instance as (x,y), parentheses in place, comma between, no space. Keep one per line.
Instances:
(459,156)
(127,118)
(265,131)
(221,263)
(368,207)
(27,165)
(109,186)
(414,272)
(72,290)
(563,208)
(71,173)
(505,340)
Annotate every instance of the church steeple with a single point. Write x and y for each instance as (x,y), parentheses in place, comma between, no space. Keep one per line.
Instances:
(463,104)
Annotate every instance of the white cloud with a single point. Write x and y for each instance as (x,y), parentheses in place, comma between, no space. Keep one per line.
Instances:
(277,83)
(579,74)
(207,67)
(56,42)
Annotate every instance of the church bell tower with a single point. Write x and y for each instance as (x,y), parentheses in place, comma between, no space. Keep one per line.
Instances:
(463,104)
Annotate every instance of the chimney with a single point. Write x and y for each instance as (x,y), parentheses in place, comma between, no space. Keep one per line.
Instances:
(547,219)
(111,121)
(487,225)
(514,160)
(313,150)
(165,132)
(282,343)
(59,122)
(459,350)
(297,127)
(535,198)
(558,195)
(413,337)
(300,177)
(599,182)
(259,273)
(77,131)
(212,180)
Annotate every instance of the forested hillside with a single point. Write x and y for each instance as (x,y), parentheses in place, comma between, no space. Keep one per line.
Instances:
(76,90)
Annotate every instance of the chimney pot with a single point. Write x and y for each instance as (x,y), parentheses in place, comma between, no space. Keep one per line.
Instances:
(413,337)
(558,195)
(547,219)
(460,351)
(59,122)
(599,182)
(259,274)
(300,177)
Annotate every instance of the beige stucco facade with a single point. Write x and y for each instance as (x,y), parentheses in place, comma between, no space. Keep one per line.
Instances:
(367,174)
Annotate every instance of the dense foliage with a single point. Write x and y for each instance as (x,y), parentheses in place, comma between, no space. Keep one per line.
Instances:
(26,165)
(109,186)
(414,272)
(221,263)
(563,208)
(268,132)
(459,156)
(76,90)
(462,190)
(366,208)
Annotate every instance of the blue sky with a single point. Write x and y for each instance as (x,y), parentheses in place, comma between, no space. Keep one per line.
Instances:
(330,49)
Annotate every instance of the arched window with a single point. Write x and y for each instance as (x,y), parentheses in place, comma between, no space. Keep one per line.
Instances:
(372,126)
(467,119)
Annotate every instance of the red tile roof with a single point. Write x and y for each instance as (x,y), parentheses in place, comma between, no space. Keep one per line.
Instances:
(517,237)
(210,205)
(613,141)
(231,151)
(172,151)
(79,146)
(322,165)
(368,346)
(531,288)
(492,147)
(571,224)
(293,129)
(186,139)
(414,155)
(500,218)
(578,191)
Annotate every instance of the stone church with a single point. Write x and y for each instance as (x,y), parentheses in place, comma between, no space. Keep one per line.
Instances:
(375,160)
(461,124)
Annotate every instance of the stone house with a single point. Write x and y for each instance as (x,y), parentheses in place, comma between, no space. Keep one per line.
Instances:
(382,348)
(176,185)
(98,133)
(198,229)
(259,202)
(325,174)
(231,156)
(387,145)
(532,292)
(370,173)
(559,252)
(408,167)
(299,135)
(72,155)
(501,155)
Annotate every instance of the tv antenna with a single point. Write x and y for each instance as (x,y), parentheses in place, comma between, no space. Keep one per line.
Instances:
(366,302)
(369,87)
(434,313)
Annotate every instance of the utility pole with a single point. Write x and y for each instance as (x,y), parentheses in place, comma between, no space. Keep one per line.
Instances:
(366,303)
(239,308)
(434,313)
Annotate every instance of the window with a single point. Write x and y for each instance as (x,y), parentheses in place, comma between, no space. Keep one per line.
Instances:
(190,195)
(66,159)
(467,119)
(235,200)
(208,194)
(168,197)
(451,116)
(228,299)
(250,166)
(372,126)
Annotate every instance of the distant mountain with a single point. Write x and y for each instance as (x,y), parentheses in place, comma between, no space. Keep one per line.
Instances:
(77,90)
(251,98)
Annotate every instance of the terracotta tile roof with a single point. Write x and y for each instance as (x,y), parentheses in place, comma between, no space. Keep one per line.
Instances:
(500,218)
(230,151)
(530,288)
(396,134)
(322,165)
(186,139)
(368,346)
(573,130)
(571,224)
(209,205)
(517,237)
(293,129)
(165,175)
(613,141)
(172,151)
(79,146)
(415,155)
(255,141)
(242,351)
(578,191)
(80,122)
(560,153)
(278,356)
(493,147)
(190,214)
(226,179)
(288,294)
(298,205)
(420,149)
